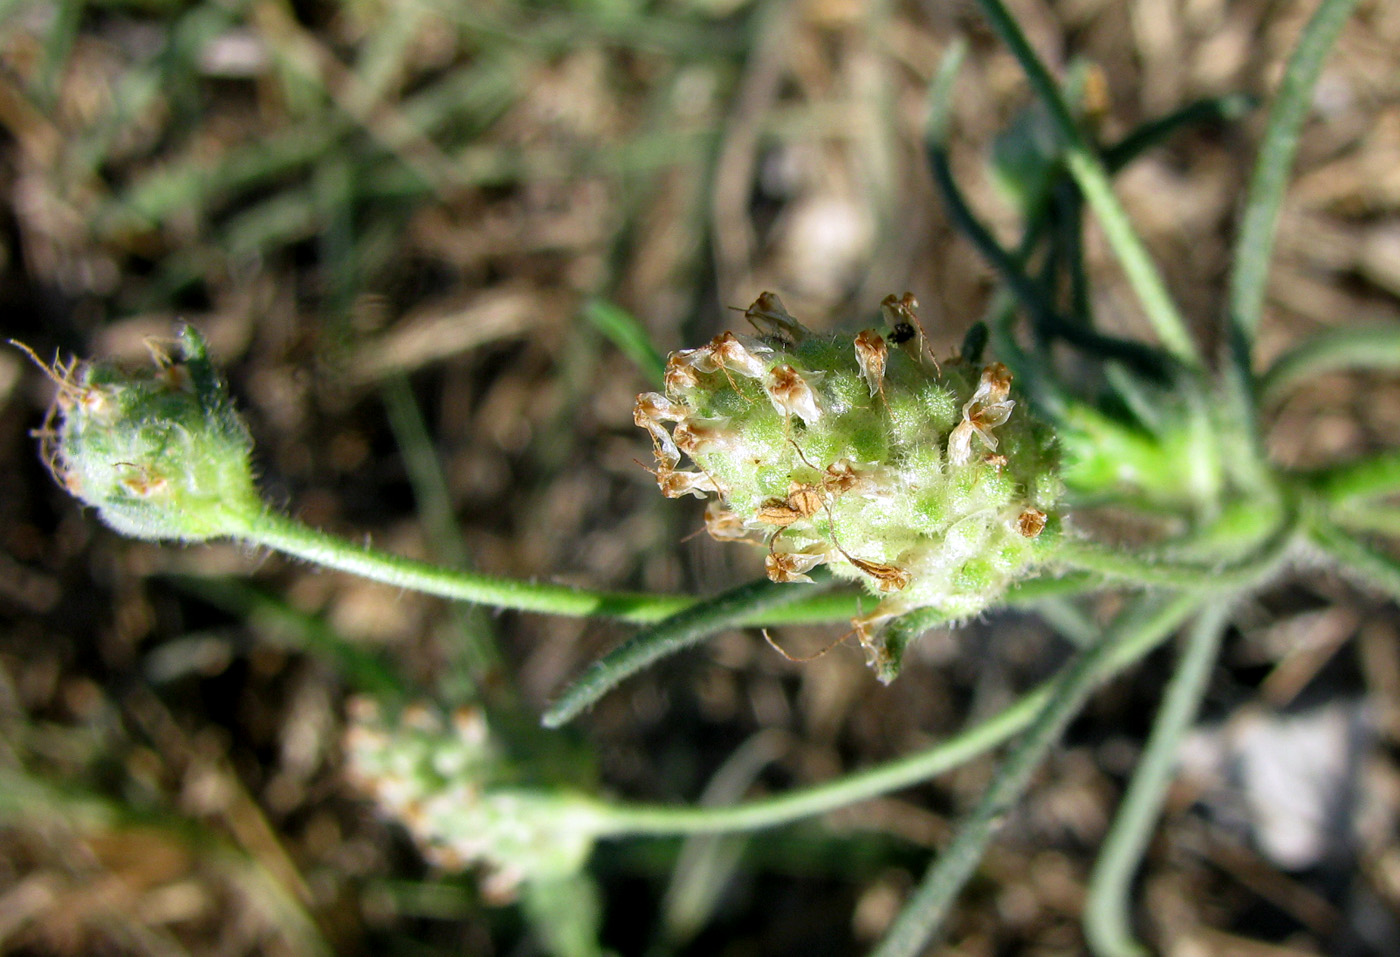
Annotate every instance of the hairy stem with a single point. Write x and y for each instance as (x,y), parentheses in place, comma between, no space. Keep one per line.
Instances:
(1129,647)
(1353,483)
(682,630)
(1255,244)
(286,535)
(1372,346)
(923,914)
(1161,570)
(1107,923)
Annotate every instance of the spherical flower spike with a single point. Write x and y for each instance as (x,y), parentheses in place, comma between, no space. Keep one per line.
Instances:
(160,453)
(926,482)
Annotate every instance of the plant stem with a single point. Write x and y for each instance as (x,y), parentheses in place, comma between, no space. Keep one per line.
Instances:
(923,914)
(1376,568)
(1255,244)
(1160,570)
(681,630)
(625,819)
(1351,483)
(286,535)
(1231,106)
(1107,923)
(746,605)
(1009,267)
(1375,346)
(803,606)
(1048,321)
(1372,519)
(1093,182)
(274,531)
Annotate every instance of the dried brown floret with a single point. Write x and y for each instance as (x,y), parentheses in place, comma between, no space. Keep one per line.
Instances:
(906,331)
(723,524)
(783,567)
(651,410)
(677,482)
(768,316)
(1031,522)
(698,435)
(871,356)
(732,353)
(888,578)
(791,395)
(988,408)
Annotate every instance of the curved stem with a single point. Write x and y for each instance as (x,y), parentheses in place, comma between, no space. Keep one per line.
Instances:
(291,537)
(746,605)
(1093,182)
(1352,483)
(1107,922)
(1048,321)
(1373,519)
(682,630)
(1128,647)
(1376,568)
(1374,346)
(1231,106)
(925,911)
(1008,266)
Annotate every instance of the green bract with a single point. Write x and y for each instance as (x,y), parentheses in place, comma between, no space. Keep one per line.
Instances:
(926,482)
(161,454)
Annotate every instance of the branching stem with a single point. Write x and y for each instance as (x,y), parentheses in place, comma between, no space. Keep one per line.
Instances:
(1089,173)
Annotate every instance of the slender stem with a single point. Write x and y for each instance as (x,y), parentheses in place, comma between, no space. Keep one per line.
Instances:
(1069,222)
(1352,483)
(676,633)
(1255,244)
(1031,296)
(1231,106)
(790,605)
(1373,519)
(743,606)
(1375,346)
(1376,568)
(1107,923)
(622,819)
(1160,570)
(1048,321)
(1137,265)
(1093,182)
(924,913)
(282,534)
(285,535)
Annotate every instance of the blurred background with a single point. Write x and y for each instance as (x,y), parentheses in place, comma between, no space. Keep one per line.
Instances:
(404,227)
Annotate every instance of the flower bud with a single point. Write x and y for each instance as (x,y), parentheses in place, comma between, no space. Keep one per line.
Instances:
(161,453)
(928,484)
(464,804)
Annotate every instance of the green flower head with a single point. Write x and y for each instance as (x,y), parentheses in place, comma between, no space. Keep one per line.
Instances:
(927,482)
(160,453)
